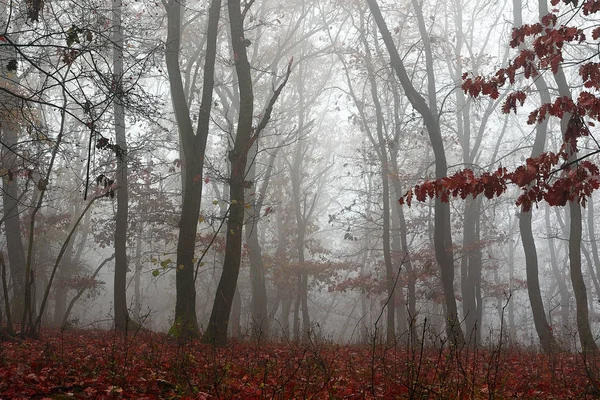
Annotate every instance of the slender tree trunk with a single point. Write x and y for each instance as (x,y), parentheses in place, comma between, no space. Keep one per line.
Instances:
(512,327)
(533,284)
(442,232)
(137,309)
(260,321)
(300,212)
(381,148)
(260,316)
(397,185)
(284,317)
(542,327)
(592,235)
(563,290)
(296,315)
(122,216)
(216,332)
(64,274)
(12,220)
(9,131)
(246,135)
(586,336)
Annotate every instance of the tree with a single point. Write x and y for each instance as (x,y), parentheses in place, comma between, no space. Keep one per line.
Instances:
(9,131)
(193,147)
(246,135)
(122,215)
(556,178)
(442,233)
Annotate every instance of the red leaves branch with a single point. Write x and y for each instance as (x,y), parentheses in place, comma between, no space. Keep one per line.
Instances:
(535,179)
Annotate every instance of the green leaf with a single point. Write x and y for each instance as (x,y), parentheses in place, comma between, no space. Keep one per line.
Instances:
(166,262)
(155,273)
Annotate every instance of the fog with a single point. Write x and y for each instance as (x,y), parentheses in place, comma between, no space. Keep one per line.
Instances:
(236,172)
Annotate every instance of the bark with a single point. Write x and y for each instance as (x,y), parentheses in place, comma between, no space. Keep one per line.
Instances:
(236,315)
(193,148)
(442,233)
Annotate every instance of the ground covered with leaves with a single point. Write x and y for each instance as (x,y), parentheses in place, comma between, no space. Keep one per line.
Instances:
(105,365)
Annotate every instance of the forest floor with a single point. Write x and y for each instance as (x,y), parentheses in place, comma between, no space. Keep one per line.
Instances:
(107,365)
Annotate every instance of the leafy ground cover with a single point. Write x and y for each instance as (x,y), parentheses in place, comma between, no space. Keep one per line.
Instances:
(107,365)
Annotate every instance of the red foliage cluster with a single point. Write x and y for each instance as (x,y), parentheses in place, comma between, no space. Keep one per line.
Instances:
(107,365)
(80,283)
(535,179)
(554,177)
(364,284)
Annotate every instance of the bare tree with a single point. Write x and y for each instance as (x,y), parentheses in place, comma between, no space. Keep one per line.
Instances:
(193,147)
(442,232)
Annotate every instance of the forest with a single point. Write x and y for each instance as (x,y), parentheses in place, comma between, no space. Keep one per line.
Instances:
(337,199)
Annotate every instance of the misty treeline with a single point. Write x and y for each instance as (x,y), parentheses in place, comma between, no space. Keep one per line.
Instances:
(232,168)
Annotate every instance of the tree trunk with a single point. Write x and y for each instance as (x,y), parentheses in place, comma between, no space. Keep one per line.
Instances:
(194,146)
(586,336)
(411,299)
(122,216)
(380,145)
(542,328)
(563,290)
(592,235)
(442,232)
(65,273)
(236,315)
(137,293)
(216,332)
(260,319)
(285,317)
(9,131)
(246,135)
(12,220)
(300,212)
